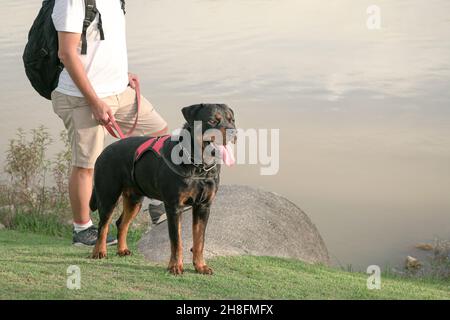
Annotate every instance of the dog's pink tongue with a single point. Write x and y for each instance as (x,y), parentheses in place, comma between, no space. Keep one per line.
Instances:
(227,155)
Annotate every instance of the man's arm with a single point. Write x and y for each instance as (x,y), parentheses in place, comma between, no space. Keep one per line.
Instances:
(68,54)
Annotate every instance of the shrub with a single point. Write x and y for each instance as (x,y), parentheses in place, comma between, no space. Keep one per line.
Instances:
(30,189)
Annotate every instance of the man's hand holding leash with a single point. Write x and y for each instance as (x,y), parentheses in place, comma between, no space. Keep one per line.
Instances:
(102,112)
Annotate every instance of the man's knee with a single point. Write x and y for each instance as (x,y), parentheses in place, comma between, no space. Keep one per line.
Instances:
(82,172)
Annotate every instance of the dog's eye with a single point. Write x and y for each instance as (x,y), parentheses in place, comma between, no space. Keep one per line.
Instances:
(213,122)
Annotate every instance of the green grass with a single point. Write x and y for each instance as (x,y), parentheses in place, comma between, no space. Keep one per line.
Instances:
(33,266)
(46,224)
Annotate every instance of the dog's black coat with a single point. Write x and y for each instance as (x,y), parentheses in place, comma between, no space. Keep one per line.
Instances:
(187,185)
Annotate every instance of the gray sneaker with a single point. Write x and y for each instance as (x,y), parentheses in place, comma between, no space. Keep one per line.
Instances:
(88,238)
(157,213)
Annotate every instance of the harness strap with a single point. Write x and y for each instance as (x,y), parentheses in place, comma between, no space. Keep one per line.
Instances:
(86,24)
(144,147)
(89,16)
(155,144)
(160,143)
(100,26)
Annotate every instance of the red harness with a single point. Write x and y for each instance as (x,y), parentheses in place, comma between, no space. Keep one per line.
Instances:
(154,144)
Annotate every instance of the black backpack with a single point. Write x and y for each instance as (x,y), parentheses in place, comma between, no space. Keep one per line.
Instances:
(40,57)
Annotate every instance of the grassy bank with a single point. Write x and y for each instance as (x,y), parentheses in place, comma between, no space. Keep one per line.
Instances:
(33,266)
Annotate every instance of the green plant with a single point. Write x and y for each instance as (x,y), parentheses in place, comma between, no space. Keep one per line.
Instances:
(27,169)
(440,259)
(30,189)
(62,167)
(50,224)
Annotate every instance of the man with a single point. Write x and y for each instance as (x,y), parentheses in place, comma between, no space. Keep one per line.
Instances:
(92,90)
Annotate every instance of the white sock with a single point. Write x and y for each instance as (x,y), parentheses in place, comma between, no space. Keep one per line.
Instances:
(81,227)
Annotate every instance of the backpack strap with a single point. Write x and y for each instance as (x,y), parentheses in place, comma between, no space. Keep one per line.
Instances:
(89,16)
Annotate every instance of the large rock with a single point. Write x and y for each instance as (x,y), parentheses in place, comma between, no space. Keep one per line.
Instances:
(245,221)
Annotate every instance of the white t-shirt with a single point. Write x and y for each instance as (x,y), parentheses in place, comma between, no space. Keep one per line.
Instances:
(106,62)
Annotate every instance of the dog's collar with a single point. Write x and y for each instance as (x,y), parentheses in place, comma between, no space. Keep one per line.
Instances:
(202,168)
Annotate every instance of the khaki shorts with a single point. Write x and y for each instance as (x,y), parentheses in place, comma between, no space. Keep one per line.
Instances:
(87,137)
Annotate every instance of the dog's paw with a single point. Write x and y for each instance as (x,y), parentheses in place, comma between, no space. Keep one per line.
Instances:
(98,255)
(204,269)
(176,269)
(123,253)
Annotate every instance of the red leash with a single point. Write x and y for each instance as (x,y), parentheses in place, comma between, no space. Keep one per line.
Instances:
(113,124)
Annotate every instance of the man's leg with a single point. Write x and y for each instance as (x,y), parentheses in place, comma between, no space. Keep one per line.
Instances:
(80,190)
(86,138)
(150,122)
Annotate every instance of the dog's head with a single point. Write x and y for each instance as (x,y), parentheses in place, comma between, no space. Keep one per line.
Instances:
(217,130)
(212,116)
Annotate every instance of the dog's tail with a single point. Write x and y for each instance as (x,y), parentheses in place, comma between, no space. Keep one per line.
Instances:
(93,201)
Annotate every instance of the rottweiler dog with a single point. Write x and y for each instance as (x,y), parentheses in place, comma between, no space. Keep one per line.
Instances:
(192,180)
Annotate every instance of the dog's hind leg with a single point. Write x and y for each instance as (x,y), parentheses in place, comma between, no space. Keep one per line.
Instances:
(106,204)
(131,207)
(99,251)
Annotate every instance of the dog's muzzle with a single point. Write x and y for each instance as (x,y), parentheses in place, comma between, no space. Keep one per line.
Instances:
(231,135)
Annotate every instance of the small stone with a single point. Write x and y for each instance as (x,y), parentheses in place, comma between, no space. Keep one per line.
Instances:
(425,246)
(412,263)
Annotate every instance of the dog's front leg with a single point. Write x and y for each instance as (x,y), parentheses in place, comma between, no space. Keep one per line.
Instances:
(200,215)
(174,222)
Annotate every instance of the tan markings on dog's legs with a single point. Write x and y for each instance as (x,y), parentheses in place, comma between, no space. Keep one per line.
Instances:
(130,211)
(99,251)
(176,246)
(199,222)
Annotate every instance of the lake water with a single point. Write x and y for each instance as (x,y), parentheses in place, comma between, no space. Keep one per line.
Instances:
(364,115)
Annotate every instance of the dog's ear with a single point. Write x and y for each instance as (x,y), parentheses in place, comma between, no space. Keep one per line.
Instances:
(190,112)
(226,107)
(231,110)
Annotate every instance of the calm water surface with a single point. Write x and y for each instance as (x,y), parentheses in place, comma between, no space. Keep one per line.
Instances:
(364,115)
